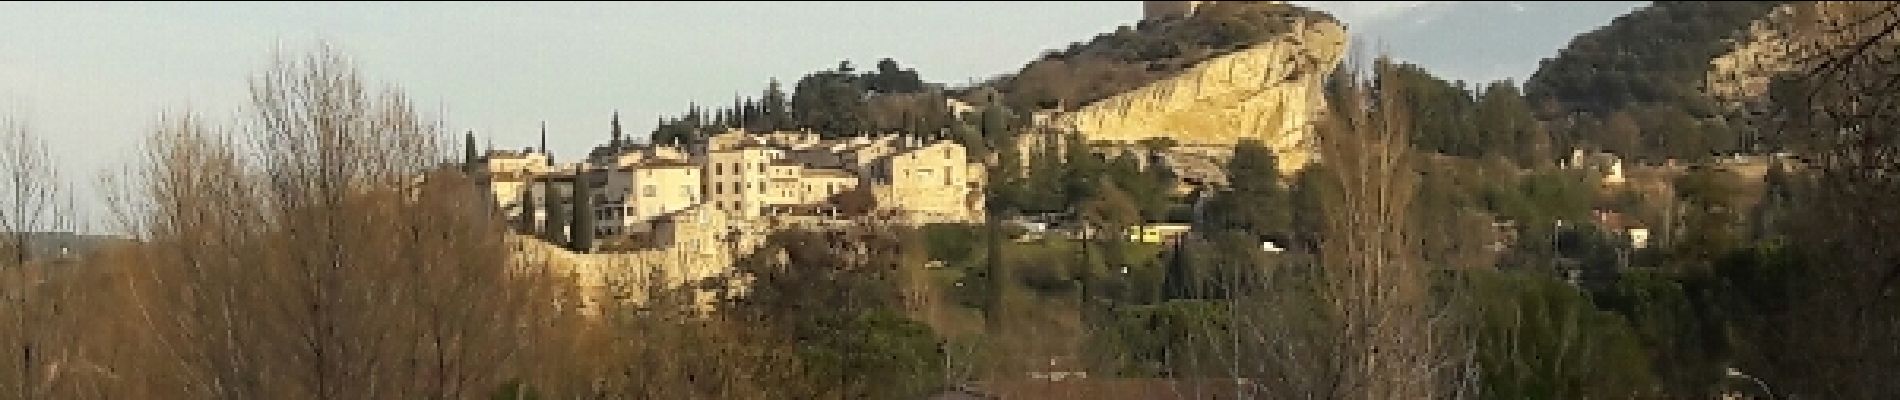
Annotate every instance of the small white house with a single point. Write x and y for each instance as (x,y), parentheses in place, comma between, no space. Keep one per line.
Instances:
(1271,247)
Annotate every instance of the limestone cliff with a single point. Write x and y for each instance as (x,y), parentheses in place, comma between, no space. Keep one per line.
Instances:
(1791,38)
(1268,91)
(1754,58)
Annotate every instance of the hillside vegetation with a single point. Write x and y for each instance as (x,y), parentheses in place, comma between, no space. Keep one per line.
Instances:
(1636,86)
(1130,57)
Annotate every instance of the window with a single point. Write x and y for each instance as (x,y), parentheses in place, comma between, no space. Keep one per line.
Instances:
(718,169)
(761,168)
(648,191)
(719,188)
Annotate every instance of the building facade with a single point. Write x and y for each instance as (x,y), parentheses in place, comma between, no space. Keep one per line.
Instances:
(633,195)
(929,183)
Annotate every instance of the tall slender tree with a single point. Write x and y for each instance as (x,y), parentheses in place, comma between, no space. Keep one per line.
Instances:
(30,204)
(582,239)
(554,228)
(468,152)
(616,130)
(525,222)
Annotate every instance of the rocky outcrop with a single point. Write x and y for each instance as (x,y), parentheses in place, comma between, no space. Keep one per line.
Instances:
(1268,91)
(1791,38)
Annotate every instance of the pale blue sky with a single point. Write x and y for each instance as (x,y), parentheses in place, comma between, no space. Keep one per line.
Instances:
(93,77)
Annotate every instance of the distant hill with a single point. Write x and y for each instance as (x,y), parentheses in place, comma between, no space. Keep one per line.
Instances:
(1638,85)
(1656,54)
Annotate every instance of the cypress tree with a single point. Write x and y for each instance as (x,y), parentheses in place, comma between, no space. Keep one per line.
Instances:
(525,223)
(554,230)
(583,215)
(468,152)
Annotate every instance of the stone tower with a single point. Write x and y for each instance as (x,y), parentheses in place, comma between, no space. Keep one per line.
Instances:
(1163,10)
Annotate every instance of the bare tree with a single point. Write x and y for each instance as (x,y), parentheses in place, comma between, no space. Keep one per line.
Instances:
(30,204)
(326,250)
(1364,318)
(1383,332)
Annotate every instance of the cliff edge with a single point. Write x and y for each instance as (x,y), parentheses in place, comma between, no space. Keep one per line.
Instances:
(1269,91)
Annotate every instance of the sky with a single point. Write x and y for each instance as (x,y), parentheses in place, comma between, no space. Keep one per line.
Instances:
(93,78)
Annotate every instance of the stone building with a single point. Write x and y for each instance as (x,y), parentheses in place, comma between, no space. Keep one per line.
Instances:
(632,195)
(929,183)
(1166,10)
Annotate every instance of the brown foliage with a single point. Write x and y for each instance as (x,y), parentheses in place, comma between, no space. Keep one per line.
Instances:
(1835,338)
(330,260)
(32,358)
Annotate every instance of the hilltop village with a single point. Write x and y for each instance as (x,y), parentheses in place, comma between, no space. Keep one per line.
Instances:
(686,210)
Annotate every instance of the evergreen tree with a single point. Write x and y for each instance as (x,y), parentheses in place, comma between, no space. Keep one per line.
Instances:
(525,221)
(554,229)
(468,155)
(582,239)
(1506,125)
(1255,203)
(1308,197)
(665,131)
(1082,169)
(994,123)
(749,116)
(774,105)
(831,103)
(735,117)
(692,118)
(966,135)
(616,129)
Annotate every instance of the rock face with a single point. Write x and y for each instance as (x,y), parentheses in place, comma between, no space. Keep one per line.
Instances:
(1270,91)
(1789,39)
(1756,56)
